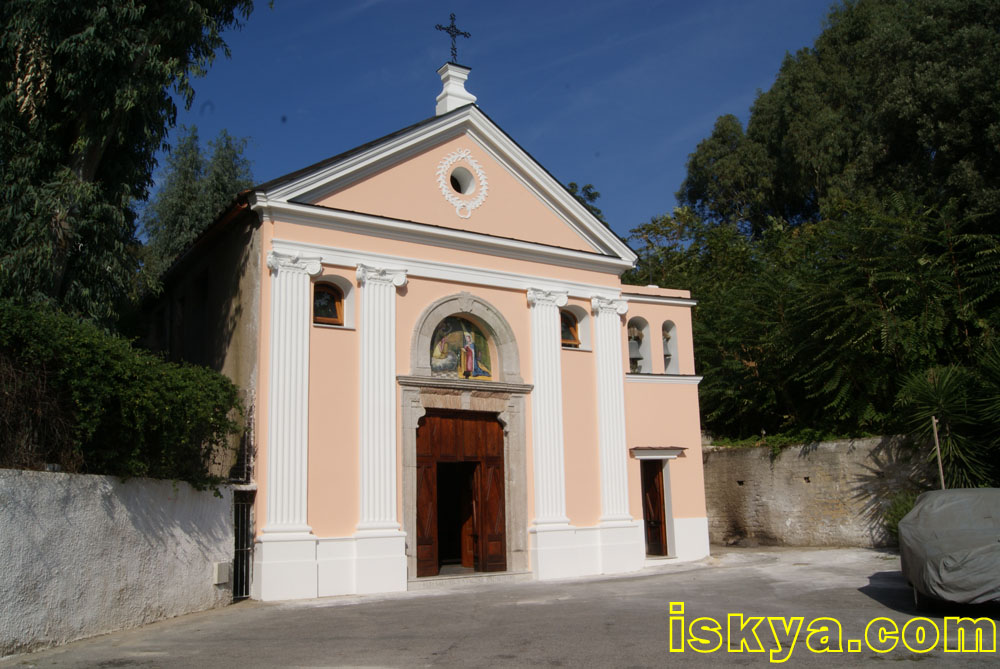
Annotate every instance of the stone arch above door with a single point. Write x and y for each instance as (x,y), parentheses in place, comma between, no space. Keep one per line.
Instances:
(485,315)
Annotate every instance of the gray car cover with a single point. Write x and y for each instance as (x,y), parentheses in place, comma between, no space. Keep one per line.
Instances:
(949,545)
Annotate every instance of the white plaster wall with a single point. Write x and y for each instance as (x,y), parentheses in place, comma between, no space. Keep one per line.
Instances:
(84,555)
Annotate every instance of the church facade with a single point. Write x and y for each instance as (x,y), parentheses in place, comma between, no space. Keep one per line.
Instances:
(446,374)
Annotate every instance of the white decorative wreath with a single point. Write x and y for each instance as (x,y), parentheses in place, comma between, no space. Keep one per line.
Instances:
(463,207)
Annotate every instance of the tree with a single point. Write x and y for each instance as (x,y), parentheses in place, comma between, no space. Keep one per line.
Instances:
(195,190)
(587,196)
(895,96)
(85,106)
(846,241)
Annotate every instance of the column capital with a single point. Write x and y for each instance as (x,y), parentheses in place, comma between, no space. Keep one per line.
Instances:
(599,304)
(555,298)
(283,262)
(369,274)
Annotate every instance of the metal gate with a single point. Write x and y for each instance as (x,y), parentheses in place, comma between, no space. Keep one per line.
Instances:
(243,555)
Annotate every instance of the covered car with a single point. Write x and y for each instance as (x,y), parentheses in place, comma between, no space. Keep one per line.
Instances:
(949,545)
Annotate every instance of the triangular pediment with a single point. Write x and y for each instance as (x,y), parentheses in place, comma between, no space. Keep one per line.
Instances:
(458,172)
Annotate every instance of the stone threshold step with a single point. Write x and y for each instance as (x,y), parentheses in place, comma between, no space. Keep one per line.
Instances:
(456,581)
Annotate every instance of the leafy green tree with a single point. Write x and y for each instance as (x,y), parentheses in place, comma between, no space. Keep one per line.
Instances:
(846,238)
(195,190)
(85,105)
(587,196)
(896,96)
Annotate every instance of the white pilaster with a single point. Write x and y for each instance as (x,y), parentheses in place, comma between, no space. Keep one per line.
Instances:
(546,407)
(285,555)
(288,393)
(611,408)
(378,397)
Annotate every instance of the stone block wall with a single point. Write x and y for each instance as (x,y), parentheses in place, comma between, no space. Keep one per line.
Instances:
(85,555)
(821,494)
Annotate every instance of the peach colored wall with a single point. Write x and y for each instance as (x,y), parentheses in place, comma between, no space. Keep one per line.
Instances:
(655,315)
(334,464)
(360,242)
(334,475)
(580,440)
(667,415)
(410,191)
(583,473)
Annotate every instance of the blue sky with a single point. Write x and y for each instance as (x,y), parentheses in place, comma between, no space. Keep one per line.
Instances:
(613,93)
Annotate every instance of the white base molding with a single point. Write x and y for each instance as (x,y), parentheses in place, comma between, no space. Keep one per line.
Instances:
(380,562)
(689,540)
(623,547)
(284,567)
(565,551)
(310,567)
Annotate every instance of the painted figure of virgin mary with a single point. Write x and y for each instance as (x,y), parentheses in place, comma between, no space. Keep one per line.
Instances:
(459,350)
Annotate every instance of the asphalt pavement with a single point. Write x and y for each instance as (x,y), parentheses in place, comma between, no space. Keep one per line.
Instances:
(660,616)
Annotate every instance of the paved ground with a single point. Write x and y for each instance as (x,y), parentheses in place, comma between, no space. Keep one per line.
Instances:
(613,622)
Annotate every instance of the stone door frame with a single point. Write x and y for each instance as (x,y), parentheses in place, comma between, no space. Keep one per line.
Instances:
(506,397)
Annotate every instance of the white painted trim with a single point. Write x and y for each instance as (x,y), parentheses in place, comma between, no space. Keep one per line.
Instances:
(665,453)
(678,379)
(473,122)
(420,233)
(691,538)
(652,299)
(313,567)
(430,269)
(571,552)
(328,326)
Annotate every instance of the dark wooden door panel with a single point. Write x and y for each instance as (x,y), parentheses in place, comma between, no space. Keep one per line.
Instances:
(427,547)
(653,507)
(493,528)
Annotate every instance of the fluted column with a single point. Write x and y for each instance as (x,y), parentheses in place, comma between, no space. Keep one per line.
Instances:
(611,408)
(546,407)
(288,393)
(378,396)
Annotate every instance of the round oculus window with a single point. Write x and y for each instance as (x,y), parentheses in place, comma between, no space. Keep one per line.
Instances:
(463,185)
(462,181)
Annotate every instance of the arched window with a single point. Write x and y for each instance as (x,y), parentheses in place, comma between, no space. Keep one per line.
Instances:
(570,329)
(639,359)
(460,350)
(670,363)
(328,304)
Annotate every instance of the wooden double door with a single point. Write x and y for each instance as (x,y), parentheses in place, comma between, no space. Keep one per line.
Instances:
(461,517)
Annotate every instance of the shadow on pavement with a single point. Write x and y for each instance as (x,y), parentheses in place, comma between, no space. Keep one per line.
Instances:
(890,589)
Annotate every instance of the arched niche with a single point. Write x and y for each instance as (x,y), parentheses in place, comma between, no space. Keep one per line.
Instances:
(507,366)
(640,360)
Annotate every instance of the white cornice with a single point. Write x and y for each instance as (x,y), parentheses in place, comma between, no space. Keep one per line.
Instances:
(656,453)
(678,379)
(469,120)
(431,269)
(417,233)
(655,299)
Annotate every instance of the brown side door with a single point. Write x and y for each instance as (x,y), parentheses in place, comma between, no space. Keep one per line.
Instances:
(653,507)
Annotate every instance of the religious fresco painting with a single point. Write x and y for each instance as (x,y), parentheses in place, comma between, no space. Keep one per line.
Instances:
(460,350)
